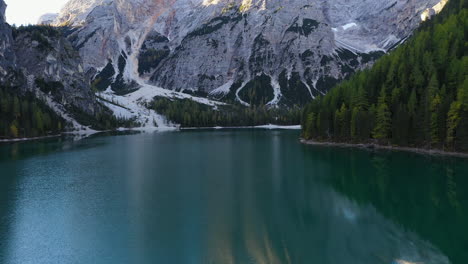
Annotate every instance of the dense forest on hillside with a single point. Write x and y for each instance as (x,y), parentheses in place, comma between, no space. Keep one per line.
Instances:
(416,96)
(25,116)
(188,113)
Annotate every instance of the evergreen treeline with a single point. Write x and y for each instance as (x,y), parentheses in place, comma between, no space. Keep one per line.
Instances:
(25,116)
(415,96)
(188,113)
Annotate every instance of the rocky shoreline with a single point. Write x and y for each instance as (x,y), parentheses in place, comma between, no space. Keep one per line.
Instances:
(371,146)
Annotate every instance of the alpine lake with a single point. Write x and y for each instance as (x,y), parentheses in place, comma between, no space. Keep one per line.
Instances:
(248,196)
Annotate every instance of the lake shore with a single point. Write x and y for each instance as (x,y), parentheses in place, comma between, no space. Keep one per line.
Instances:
(12,140)
(88,132)
(269,126)
(371,146)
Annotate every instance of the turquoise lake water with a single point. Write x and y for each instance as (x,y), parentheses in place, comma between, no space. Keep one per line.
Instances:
(227,196)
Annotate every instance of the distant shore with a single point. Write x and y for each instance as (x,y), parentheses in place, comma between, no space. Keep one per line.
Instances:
(27,139)
(270,126)
(370,146)
(86,133)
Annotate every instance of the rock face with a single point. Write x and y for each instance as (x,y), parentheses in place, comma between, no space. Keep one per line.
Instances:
(51,64)
(7,58)
(40,60)
(295,49)
(47,19)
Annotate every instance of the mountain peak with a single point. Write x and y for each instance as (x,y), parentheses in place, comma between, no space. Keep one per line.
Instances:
(204,45)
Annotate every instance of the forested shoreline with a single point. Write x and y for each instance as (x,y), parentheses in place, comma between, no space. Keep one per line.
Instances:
(24,116)
(417,96)
(188,113)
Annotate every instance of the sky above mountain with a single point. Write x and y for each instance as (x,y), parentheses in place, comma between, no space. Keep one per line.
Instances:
(23,12)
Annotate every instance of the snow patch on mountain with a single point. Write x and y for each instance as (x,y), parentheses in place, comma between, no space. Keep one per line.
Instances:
(276,92)
(137,105)
(223,89)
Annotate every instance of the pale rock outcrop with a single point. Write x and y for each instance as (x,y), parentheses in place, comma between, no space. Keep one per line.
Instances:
(7,58)
(47,19)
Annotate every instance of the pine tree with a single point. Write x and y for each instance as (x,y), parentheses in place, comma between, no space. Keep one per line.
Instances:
(16,107)
(424,101)
(383,119)
(354,121)
(453,121)
(434,126)
(310,125)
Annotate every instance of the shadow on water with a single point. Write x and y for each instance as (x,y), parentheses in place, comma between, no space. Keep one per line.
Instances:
(26,149)
(424,194)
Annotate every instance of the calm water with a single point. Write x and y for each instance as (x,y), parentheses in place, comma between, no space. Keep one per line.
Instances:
(227,197)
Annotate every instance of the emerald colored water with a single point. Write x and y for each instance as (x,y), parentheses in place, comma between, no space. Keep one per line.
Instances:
(240,196)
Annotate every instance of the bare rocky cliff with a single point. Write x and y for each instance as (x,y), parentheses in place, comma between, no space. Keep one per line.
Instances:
(41,60)
(51,65)
(295,49)
(7,58)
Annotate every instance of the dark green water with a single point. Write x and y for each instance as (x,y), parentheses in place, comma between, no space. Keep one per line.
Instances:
(227,197)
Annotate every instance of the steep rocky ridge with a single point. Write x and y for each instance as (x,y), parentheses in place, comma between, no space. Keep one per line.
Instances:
(7,58)
(53,66)
(41,61)
(298,48)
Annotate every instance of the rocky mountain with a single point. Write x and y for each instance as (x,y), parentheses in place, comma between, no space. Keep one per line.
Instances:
(42,61)
(252,51)
(51,65)
(249,52)
(7,59)
(47,19)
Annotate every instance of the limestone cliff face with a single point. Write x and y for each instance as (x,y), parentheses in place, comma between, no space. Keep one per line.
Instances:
(47,19)
(51,64)
(7,58)
(42,61)
(297,49)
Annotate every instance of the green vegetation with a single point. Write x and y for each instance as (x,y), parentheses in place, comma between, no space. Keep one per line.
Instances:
(214,25)
(416,96)
(308,26)
(150,59)
(48,87)
(45,30)
(25,116)
(104,79)
(39,33)
(257,92)
(293,90)
(188,113)
(102,121)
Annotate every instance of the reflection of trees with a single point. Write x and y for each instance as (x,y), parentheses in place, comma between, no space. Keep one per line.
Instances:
(382,173)
(420,193)
(452,188)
